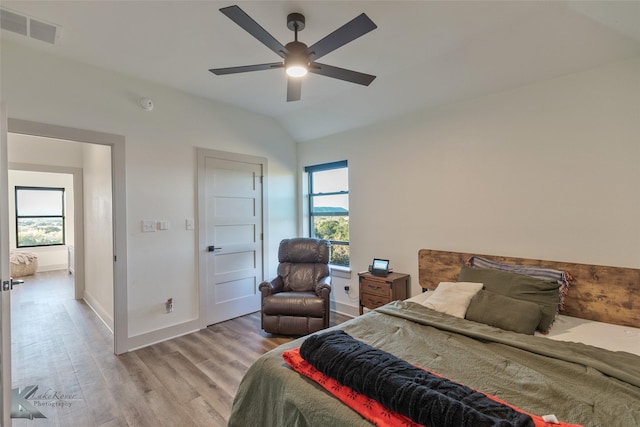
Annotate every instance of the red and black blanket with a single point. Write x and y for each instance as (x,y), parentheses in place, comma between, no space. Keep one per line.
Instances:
(389,391)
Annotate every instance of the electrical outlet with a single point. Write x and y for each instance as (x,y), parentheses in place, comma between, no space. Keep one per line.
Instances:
(346,289)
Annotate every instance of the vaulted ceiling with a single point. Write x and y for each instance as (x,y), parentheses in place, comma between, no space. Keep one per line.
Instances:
(424,53)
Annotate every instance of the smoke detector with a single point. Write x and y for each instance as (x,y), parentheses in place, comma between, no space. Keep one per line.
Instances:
(145,104)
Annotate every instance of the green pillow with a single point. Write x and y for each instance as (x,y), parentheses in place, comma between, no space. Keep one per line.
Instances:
(504,312)
(545,293)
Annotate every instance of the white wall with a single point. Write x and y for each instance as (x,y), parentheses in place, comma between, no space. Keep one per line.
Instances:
(49,257)
(546,171)
(98,230)
(31,149)
(160,164)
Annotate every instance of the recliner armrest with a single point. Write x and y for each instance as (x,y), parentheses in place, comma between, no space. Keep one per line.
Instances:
(272,287)
(324,285)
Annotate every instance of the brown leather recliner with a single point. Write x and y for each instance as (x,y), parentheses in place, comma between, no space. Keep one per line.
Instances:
(297,301)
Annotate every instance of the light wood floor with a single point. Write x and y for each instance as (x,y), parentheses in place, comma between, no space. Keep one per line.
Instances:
(61,346)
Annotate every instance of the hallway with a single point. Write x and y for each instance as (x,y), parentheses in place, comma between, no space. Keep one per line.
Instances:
(53,337)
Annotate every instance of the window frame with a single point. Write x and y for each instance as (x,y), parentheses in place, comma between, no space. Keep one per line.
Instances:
(310,170)
(62,215)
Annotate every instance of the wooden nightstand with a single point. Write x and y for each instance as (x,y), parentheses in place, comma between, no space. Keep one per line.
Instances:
(376,291)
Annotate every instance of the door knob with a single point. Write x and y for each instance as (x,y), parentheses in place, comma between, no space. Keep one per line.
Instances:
(212,248)
(7,285)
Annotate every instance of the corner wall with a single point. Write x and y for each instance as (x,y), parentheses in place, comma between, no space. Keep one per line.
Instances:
(547,171)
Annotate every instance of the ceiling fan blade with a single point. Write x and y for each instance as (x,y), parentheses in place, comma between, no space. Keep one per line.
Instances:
(239,16)
(294,88)
(341,73)
(350,31)
(246,68)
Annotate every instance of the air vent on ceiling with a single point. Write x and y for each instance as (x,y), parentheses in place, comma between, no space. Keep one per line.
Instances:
(28,26)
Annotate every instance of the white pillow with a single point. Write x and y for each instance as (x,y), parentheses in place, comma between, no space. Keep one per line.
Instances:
(452,298)
(421,297)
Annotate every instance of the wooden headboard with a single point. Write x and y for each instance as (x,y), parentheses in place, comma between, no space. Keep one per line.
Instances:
(601,293)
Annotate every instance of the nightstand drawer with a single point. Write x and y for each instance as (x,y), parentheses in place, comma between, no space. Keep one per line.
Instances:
(376,291)
(376,288)
(373,301)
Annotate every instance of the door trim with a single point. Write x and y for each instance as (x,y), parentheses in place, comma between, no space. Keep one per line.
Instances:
(117,143)
(201,241)
(5,296)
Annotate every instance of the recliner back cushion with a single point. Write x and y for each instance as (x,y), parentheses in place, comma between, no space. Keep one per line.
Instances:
(301,277)
(304,250)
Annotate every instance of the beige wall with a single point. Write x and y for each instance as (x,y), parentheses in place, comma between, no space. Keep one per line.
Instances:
(548,171)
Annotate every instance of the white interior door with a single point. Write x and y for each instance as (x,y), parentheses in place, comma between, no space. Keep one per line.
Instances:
(233,247)
(5,306)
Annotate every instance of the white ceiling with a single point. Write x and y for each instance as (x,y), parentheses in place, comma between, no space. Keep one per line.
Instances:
(424,53)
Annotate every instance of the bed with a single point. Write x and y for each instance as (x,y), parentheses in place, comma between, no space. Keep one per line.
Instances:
(541,374)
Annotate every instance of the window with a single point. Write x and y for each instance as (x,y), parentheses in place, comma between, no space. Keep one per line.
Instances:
(39,216)
(329,207)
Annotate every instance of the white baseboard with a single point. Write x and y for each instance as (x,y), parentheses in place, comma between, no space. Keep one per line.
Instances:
(345,309)
(164,334)
(103,315)
(51,267)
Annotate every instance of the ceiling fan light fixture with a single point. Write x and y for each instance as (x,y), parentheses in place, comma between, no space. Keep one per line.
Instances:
(296,63)
(296,70)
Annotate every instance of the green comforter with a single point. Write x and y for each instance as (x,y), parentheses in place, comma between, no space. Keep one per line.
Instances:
(578,383)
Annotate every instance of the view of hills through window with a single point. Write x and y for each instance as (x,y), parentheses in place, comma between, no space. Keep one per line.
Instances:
(39,216)
(329,209)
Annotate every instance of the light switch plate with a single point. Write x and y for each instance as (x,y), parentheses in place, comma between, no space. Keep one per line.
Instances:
(148,225)
(190,224)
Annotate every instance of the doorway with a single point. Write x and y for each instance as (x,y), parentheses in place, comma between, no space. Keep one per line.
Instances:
(69,178)
(117,262)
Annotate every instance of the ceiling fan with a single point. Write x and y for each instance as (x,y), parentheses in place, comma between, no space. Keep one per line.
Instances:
(299,59)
